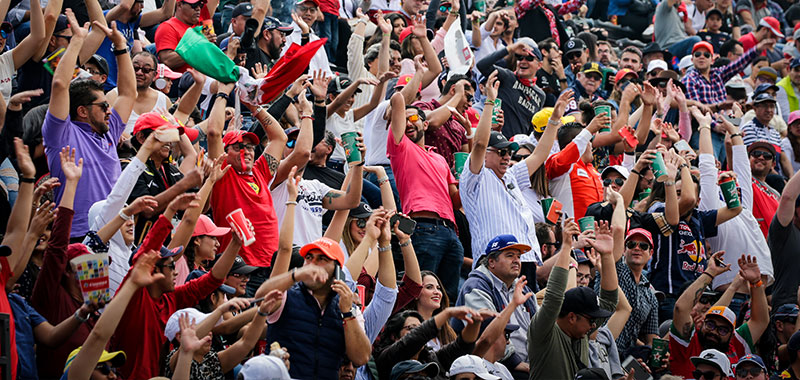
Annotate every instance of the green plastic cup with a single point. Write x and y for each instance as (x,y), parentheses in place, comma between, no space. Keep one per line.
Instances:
(659,352)
(603,109)
(546,203)
(351,152)
(644,194)
(730,193)
(659,168)
(497,104)
(586,223)
(461,159)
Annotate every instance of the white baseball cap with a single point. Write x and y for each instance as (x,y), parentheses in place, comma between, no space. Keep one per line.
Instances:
(623,171)
(471,364)
(173,327)
(686,62)
(715,358)
(264,367)
(656,64)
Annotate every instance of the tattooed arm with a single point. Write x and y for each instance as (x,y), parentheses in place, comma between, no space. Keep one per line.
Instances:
(340,200)
(275,135)
(681,316)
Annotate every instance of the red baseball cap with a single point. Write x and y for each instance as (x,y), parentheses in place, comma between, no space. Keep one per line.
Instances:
(407,32)
(703,45)
(642,232)
(404,79)
(75,250)
(191,1)
(622,73)
(237,136)
(154,120)
(163,71)
(206,227)
(316,2)
(327,246)
(772,24)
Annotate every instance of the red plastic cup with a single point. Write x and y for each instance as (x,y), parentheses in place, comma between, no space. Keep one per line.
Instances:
(240,225)
(362,295)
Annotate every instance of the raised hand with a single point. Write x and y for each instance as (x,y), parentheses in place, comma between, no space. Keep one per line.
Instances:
(42,218)
(299,84)
(648,95)
(142,273)
(599,121)
(604,239)
(520,297)
(71,170)
(112,33)
(319,85)
(144,203)
(189,341)
(561,105)
(461,312)
(300,23)
(569,230)
(383,25)
(714,268)
(218,171)
(271,301)
(385,77)
(311,274)
(374,225)
(258,71)
(402,237)
(24,161)
(184,201)
(78,32)
(418,29)
(702,119)
(748,269)
(492,85)
(44,188)
(17,100)
(630,93)
(235,304)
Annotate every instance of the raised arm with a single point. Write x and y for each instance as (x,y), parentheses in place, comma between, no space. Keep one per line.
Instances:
(216,121)
(786,204)
(618,224)
(276,137)
(356,343)
(126,78)
(236,353)
(28,46)
(41,219)
(186,227)
(59,95)
(286,233)
(161,14)
(141,275)
(377,96)
(21,213)
(431,58)
(303,145)
(398,119)
(496,328)
(387,275)
(96,36)
(51,13)
(759,311)
(542,150)
(484,130)
(681,318)
(375,223)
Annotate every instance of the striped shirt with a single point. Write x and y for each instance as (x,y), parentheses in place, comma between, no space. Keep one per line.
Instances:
(494,207)
(755,131)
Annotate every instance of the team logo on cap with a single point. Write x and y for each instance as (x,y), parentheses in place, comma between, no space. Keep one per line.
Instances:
(366,207)
(709,356)
(570,44)
(494,245)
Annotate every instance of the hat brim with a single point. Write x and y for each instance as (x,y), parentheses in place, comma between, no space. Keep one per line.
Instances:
(245,269)
(171,252)
(593,71)
(217,232)
(698,360)
(600,313)
(759,365)
(361,215)
(431,369)
(763,145)
(506,144)
(227,289)
(117,358)
(519,246)
(313,245)
(284,29)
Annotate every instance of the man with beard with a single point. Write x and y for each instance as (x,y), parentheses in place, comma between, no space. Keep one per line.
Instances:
(266,49)
(80,117)
(765,198)
(428,193)
(148,99)
(719,329)
(317,321)
(551,77)
(188,14)
(521,97)
(129,18)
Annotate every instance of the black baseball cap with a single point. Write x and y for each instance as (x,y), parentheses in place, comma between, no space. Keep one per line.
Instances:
(240,267)
(243,9)
(339,83)
(574,45)
(61,24)
(583,300)
(713,11)
(100,62)
(498,141)
(591,374)
(271,23)
(362,211)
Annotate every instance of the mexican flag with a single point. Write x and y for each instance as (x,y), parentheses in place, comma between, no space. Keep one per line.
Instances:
(208,59)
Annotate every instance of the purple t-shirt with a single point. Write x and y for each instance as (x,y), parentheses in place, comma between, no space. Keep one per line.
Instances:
(101,166)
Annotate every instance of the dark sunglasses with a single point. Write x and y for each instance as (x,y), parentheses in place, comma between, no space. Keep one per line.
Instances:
(713,326)
(145,70)
(197,4)
(706,54)
(103,105)
(291,143)
(706,300)
(3,34)
(572,56)
(444,8)
(361,223)
(502,152)
(704,375)
(761,154)
(617,181)
(170,266)
(520,157)
(642,245)
(239,146)
(662,84)
(754,371)
(528,58)
(68,38)
(104,369)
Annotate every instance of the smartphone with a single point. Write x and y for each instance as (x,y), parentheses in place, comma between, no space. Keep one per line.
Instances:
(682,146)
(639,372)
(627,133)
(554,212)
(719,262)
(338,274)
(407,225)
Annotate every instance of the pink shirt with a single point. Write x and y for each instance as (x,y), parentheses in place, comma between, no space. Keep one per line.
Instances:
(423,178)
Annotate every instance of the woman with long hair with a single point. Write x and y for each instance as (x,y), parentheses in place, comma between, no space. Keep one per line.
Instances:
(430,302)
(203,246)
(791,143)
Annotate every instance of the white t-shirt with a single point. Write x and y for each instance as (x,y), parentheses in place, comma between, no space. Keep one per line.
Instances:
(385,5)
(338,125)
(7,72)
(161,102)
(308,212)
(376,134)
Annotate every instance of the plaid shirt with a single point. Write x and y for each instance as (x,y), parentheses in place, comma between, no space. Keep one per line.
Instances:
(713,92)
(644,316)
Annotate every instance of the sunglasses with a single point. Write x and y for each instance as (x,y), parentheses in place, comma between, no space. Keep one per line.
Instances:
(616,181)
(413,118)
(198,4)
(720,329)
(502,152)
(3,34)
(753,371)
(444,8)
(239,146)
(706,300)
(706,54)
(291,143)
(145,70)
(528,58)
(361,223)
(170,266)
(103,105)
(520,157)
(572,56)
(642,245)
(704,375)
(761,154)
(68,38)
(588,319)
(104,368)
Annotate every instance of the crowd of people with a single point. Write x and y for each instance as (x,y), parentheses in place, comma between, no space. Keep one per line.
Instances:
(386,190)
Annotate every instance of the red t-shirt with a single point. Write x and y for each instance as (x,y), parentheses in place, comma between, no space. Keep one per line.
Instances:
(250,192)
(329,7)
(5,308)
(681,351)
(170,32)
(765,205)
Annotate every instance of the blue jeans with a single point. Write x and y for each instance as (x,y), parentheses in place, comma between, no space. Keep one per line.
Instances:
(683,48)
(390,174)
(717,141)
(439,250)
(256,279)
(330,30)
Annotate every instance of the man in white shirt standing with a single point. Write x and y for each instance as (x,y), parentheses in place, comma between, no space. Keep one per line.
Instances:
(304,18)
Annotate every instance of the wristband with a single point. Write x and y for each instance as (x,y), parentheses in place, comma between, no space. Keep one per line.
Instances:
(634,171)
(489,102)
(359,164)
(124,216)
(121,51)
(704,126)
(553,122)
(291,203)
(293,271)
(306,117)
(360,21)
(405,243)
(736,134)
(27,180)
(78,317)
(385,249)
(709,274)
(669,183)
(629,153)
(383,180)
(757,284)
(262,313)
(683,165)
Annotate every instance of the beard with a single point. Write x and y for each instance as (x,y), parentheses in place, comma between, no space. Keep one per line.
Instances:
(100,126)
(711,341)
(274,51)
(418,135)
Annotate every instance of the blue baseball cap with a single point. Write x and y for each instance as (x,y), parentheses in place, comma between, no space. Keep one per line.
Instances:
(197,273)
(413,366)
(794,63)
(750,358)
(764,87)
(503,242)
(164,253)
(788,310)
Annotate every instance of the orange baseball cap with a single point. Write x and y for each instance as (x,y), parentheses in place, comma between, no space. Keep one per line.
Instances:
(327,246)
(154,120)
(723,312)
(703,45)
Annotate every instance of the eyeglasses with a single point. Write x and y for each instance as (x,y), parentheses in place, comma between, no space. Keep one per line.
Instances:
(302,9)
(68,38)
(588,319)
(104,368)
(520,157)
(469,98)
(761,154)
(706,54)
(616,181)
(361,223)
(103,105)
(198,4)
(572,56)
(145,70)
(754,371)
(239,146)
(413,118)
(291,143)
(720,329)
(3,34)
(704,375)
(171,266)
(502,152)
(528,58)
(93,71)
(642,245)
(594,77)
(444,8)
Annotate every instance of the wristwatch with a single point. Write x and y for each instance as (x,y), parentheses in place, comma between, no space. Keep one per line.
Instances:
(349,313)
(126,50)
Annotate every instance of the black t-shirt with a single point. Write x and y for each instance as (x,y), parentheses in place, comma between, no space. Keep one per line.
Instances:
(792,14)
(152,181)
(549,83)
(715,39)
(326,175)
(31,76)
